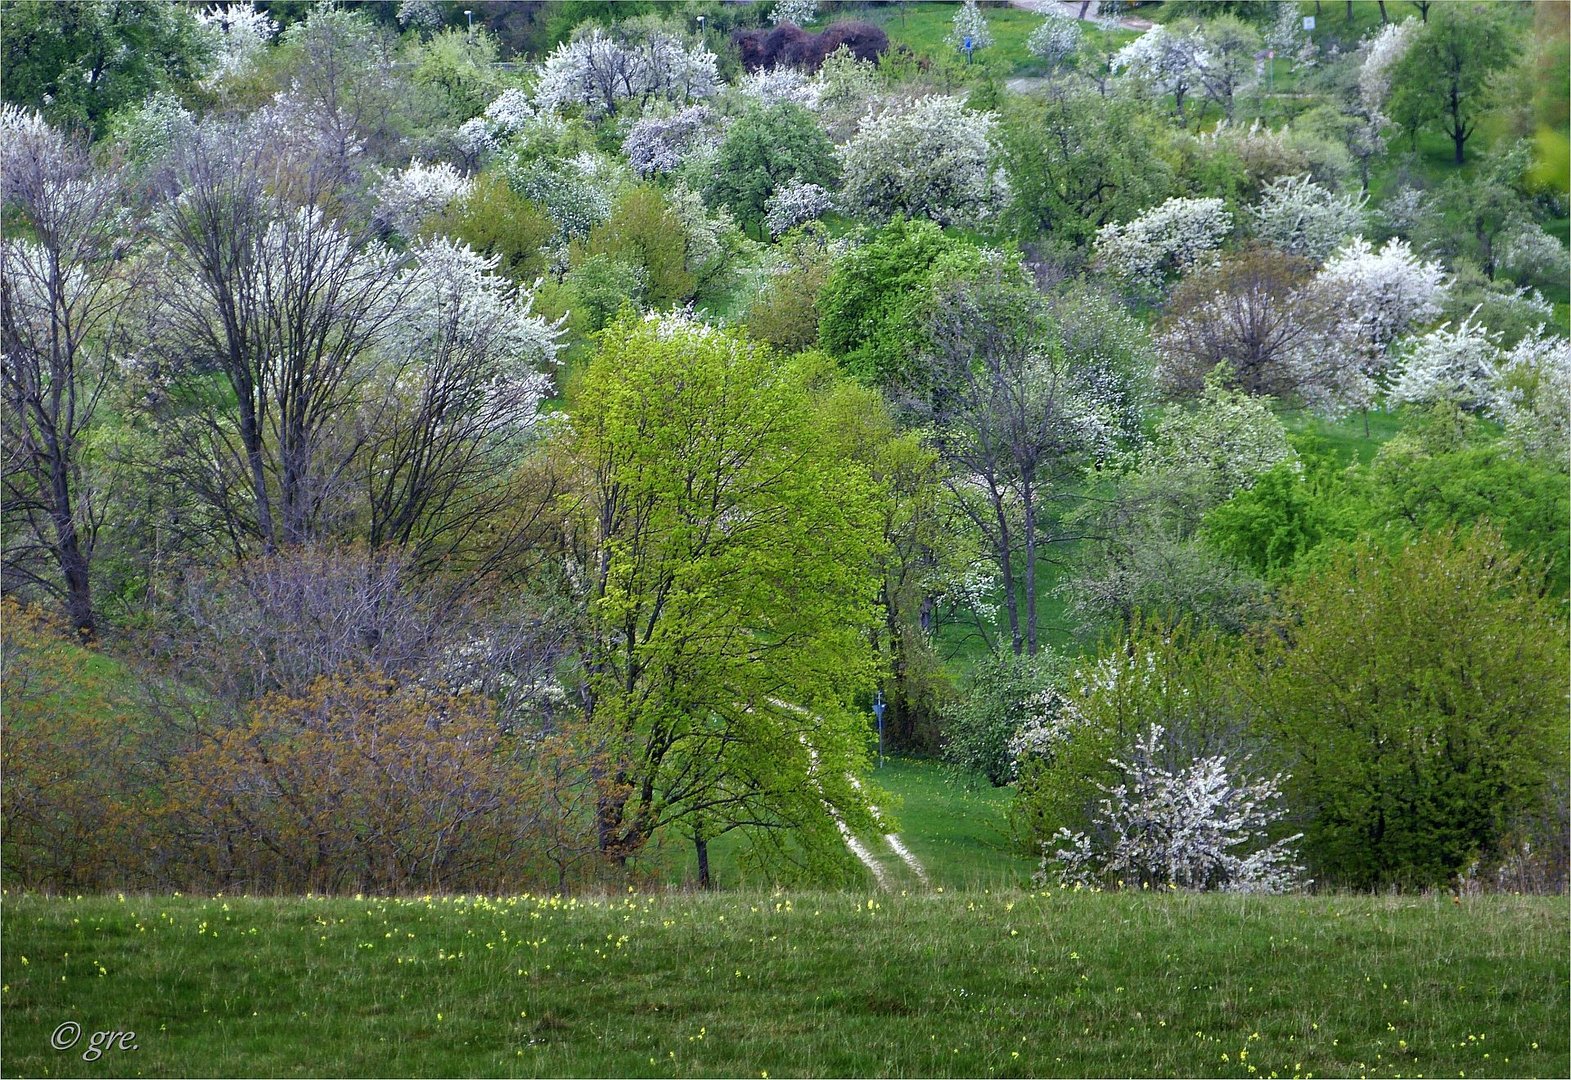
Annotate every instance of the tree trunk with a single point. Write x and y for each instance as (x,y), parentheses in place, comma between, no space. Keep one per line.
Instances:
(1349,10)
(1027,498)
(701,846)
(1384,18)
(1085,5)
(73,561)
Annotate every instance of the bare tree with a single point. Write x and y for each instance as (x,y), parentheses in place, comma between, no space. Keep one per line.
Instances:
(1013,415)
(287,305)
(64,296)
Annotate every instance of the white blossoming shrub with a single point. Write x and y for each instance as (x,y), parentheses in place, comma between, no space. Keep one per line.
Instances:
(474,143)
(420,14)
(1532,394)
(456,301)
(1174,238)
(795,12)
(656,145)
(154,128)
(1201,825)
(1227,440)
(1457,365)
(1381,55)
(407,198)
(931,158)
(777,85)
(510,113)
(1530,255)
(239,34)
(1403,211)
(576,192)
(969,25)
(600,70)
(795,204)
(1162,62)
(1380,295)
(1056,41)
(1298,216)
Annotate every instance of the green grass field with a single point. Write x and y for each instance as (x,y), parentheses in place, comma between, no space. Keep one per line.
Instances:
(967,984)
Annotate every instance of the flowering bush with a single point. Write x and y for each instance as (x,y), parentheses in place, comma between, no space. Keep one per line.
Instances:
(658,144)
(795,204)
(1533,394)
(1173,238)
(1300,217)
(239,33)
(1055,41)
(1163,61)
(772,86)
(1450,365)
(932,158)
(636,62)
(407,198)
(1198,825)
(1531,255)
(795,12)
(969,29)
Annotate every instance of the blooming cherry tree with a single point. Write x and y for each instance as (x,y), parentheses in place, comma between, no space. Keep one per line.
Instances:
(1533,393)
(239,33)
(1298,216)
(795,12)
(1195,826)
(795,204)
(1173,238)
(407,198)
(1055,41)
(968,30)
(930,158)
(634,62)
(659,144)
(1457,365)
(1164,62)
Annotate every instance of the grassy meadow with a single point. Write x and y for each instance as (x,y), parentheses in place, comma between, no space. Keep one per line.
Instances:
(972,983)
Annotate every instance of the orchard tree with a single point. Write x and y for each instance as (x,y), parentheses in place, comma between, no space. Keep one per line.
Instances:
(66,295)
(1056,41)
(1419,695)
(968,29)
(1177,237)
(765,152)
(637,61)
(1303,218)
(929,158)
(729,565)
(1450,365)
(1444,76)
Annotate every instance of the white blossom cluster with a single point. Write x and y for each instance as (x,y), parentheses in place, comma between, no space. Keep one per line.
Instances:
(576,193)
(1300,217)
(969,24)
(239,33)
(1533,393)
(510,112)
(777,85)
(659,144)
(795,12)
(454,300)
(1173,238)
(1194,826)
(1287,33)
(1528,251)
(407,198)
(1403,210)
(794,204)
(1457,365)
(972,588)
(420,14)
(599,70)
(1055,41)
(931,158)
(1166,62)
(1381,55)
(1050,719)
(1380,295)
(1229,438)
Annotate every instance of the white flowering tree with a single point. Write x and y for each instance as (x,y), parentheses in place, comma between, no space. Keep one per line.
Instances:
(1201,825)
(467,367)
(772,86)
(1532,395)
(1172,239)
(239,33)
(1378,296)
(1163,62)
(656,145)
(1380,56)
(409,197)
(794,12)
(1529,254)
(931,158)
(795,204)
(968,29)
(1300,217)
(1457,365)
(1056,41)
(636,62)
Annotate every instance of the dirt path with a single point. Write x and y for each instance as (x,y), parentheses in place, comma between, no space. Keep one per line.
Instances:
(1070,9)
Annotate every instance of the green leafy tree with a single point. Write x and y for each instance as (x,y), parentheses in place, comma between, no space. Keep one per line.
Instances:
(1419,698)
(763,151)
(79,61)
(869,309)
(643,231)
(1004,694)
(730,565)
(1444,77)
(495,220)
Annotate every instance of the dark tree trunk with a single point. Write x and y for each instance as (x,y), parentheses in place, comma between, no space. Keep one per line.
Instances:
(701,847)
(1349,10)
(1384,18)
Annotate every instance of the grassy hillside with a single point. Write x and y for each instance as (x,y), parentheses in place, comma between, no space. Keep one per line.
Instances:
(1006,984)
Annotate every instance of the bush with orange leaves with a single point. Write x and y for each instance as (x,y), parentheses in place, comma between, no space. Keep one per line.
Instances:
(365,782)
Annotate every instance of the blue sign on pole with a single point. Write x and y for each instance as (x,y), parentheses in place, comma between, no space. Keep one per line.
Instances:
(878,711)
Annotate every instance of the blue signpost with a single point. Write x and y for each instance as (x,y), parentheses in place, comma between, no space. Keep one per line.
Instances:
(968,47)
(878,711)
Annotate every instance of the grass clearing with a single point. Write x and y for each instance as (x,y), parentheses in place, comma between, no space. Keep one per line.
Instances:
(1000,984)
